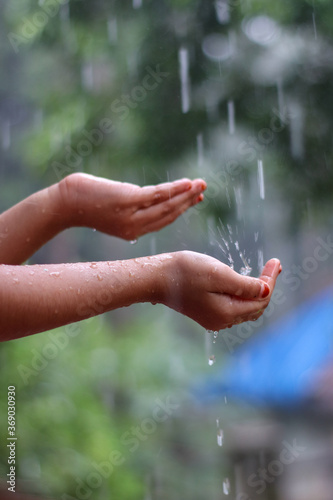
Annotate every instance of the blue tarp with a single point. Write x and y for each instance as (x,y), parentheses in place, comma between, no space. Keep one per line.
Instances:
(279,367)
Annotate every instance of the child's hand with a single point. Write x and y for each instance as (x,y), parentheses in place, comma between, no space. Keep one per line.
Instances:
(214,295)
(126,210)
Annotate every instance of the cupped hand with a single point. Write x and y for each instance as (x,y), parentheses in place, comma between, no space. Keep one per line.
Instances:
(126,210)
(214,295)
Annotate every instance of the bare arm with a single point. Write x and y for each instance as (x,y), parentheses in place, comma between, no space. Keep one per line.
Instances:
(39,298)
(116,208)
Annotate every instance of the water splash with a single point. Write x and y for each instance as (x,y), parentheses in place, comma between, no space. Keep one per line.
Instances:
(246,270)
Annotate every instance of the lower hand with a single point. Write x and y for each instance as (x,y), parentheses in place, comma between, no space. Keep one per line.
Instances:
(214,295)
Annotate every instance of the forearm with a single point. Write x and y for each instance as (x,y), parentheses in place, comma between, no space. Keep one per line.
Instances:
(39,298)
(27,226)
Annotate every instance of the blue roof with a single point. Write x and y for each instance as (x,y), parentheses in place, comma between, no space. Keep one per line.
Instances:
(279,366)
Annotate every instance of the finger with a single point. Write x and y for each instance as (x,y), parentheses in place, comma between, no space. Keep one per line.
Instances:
(160,215)
(270,273)
(243,287)
(152,195)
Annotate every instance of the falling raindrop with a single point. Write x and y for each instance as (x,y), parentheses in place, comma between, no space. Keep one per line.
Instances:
(260,259)
(209,346)
(200,150)
(87,76)
(239,202)
(6,135)
(226,486)
(231,117)
(153,245)
(211,360)
(280,95)
(261,181)
(220,434)
(296,116)
(183,59)
(314,24)
(112,27)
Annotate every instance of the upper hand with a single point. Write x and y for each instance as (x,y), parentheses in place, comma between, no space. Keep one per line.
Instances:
(126,210)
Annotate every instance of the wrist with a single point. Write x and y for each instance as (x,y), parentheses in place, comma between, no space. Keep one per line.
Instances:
(168,278)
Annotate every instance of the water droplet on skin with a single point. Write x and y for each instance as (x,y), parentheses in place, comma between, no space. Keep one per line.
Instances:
(94,230)
(132,242)
(226,486)
(46,270)
(211,360)
(32,273)
(99,277)
(93,265)
(15,281)
(56,274)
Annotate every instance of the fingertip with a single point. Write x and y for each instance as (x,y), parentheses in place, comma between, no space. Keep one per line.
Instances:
(199,198)
(200,183)
(265,290)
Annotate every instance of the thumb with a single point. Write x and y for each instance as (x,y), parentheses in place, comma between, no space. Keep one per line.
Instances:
(270,272)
